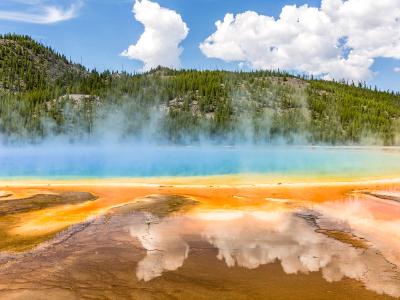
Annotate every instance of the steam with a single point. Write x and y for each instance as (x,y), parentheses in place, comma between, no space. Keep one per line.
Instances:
(129,138)
(126,136)
(258,111)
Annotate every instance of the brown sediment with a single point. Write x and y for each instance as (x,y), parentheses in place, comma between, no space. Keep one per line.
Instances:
(30,227)
(107,272)
(99,261)
(5,195)
(43,201)
(96,257)
(383,196)
(345,237)
(14,211)
(158,205)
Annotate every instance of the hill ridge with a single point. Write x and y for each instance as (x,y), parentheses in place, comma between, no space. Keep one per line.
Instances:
(184,106)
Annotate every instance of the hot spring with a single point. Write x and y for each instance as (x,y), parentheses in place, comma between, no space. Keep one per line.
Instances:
(119,161)
(134,221)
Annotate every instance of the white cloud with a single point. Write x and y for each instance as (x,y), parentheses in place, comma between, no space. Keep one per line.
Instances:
(340,39)
(40,12)
(397,69)
(164,30)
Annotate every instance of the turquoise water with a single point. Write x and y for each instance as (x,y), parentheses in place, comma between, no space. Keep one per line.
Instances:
(149,161)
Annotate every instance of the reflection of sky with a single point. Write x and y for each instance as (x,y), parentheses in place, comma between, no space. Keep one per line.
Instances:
(250,239)
(376,221)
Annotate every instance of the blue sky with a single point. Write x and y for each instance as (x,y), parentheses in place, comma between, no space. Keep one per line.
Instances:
(98,31)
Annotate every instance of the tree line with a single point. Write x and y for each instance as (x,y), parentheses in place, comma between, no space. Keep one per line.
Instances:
(43,94)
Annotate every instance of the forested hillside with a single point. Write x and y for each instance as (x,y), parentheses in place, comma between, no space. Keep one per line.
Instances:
(42,94)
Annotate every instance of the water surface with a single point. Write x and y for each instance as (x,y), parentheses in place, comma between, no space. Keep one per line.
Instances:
(199,241)
(143,161)
(340,249)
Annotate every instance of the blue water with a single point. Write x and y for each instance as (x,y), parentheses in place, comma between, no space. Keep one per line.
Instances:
(146,161)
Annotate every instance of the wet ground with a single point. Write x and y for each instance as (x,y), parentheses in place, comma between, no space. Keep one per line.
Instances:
(170,246)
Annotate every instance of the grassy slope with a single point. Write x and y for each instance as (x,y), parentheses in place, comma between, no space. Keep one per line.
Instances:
(257,106)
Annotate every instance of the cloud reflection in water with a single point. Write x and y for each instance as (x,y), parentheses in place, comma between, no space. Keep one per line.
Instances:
(253,238)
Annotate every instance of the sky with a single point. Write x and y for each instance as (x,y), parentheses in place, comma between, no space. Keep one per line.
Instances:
(356,40)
